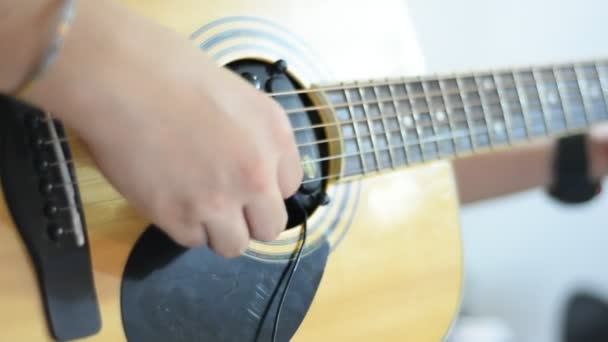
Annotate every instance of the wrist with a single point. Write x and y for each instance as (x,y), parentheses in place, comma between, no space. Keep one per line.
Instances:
(74,83)
(24,32)
(598,152)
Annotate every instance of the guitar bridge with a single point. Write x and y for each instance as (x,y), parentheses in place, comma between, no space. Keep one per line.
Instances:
(41,192)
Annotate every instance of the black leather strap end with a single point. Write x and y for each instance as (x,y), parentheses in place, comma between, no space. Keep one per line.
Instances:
(572,181)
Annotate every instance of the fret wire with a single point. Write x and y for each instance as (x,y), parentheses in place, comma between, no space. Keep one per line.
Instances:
(524,108)
(433,120)
(545,102)
(339,123)
(603,85)
(404,126)
(565,106)
(400,122)
(447,136)
(367,135)
(388,140)
(560,100)
(472,130)
(449,114)
(415,117)
(421,125)
(586,109)
(369,126)
(341,156)
(320,90)
(343,105)
(485,110)
(339,139)
(418,142)
(355,130)
(543,106)
(506,116)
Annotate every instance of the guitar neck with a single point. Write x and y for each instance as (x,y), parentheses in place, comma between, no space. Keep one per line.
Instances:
(393,123)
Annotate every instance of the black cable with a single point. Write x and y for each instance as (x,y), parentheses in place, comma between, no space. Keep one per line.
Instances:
(293,271)
(295,262)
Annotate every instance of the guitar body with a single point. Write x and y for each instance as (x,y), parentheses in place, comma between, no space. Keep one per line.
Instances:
(394,263)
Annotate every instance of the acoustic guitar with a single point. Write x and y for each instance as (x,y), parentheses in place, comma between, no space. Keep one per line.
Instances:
(378,208)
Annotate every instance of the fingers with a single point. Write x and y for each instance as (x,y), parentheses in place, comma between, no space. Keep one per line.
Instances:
(224,232)
(266,215)
(227,233)
(290,174)
(191,236)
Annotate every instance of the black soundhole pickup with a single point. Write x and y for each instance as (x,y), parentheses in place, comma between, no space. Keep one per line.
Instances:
(38,179)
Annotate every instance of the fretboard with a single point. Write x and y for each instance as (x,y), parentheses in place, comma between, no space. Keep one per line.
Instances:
(393,123)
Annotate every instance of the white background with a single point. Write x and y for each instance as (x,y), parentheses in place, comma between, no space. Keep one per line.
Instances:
(524,254)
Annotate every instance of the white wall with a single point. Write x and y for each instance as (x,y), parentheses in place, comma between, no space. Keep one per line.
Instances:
(523,253)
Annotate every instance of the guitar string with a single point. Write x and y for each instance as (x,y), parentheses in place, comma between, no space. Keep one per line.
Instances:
(553,68)
(361,171)
(382,116)
(419,142)
(299,251)
(68,191)
(331,176)
(421,95)
(415,125)
(443,138)
(438,153)
(397,115)
(437,138)
(346,104)
(448,108)
(462,92)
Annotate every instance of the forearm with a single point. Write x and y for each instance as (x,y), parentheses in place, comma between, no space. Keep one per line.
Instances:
(495,174)
(106,52)
(24,25)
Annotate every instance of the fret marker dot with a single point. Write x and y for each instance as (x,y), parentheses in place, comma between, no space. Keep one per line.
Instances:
(499,127)
(552,97)
(440,116)
(408,122)
(488,84)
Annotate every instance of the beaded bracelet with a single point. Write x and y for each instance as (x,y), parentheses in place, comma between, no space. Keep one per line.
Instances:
(64,22)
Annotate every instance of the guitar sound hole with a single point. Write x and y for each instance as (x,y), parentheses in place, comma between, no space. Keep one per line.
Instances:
(275,80)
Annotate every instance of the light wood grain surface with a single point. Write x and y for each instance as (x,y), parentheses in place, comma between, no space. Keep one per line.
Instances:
(396,274)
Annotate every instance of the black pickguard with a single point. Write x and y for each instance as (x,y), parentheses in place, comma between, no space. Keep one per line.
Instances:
(174,294)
